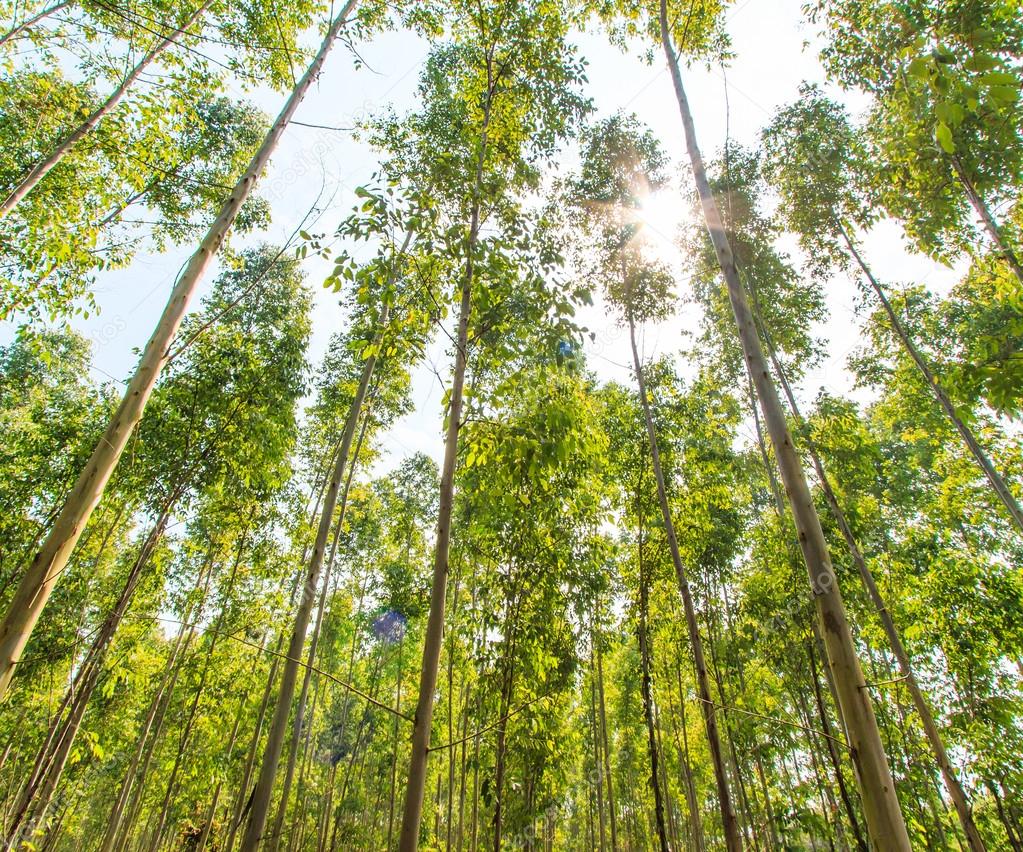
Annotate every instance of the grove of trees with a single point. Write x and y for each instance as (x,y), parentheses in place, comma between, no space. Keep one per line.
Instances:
(707,607)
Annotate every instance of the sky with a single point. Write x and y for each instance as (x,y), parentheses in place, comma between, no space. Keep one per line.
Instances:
(774,51)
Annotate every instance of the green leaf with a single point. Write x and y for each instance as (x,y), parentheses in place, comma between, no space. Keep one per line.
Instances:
(944,137)
(920,68)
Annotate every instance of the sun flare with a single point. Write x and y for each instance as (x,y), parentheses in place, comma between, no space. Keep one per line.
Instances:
(661,214)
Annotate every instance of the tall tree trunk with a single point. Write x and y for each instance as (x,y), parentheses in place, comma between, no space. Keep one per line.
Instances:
(994,478)
(598,768)
(193,710)
(41,169)
(38,581)
(186,632)
(507,688)
(296,728)
(1004,818)
(955,790)
(692,802)
(408,840)
(643,632)
(242,800)
(836,764)
(730,824)
(289,675)
(605,747)
(211,813)
(885,821)
(394,742)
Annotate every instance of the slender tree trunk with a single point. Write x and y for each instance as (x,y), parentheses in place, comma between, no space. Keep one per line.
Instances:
(186,731)
(211,813)
(38,581)
(955,790)
(242,800)
(994,232)
(885,822)
(18,29)
(836,764)
(605,748)
(648,701)
(451,720)
(598,767)
(186,632)
(65,145)
(673,827)
(408,840)
(475,821)
(728,819)
(278,725)
(1003,816)
(394,743)
(994,478)
(296,728)
(507,687)
(38,794)
(692,802)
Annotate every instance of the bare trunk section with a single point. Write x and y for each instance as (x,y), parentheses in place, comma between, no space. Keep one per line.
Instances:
(643,632)
(885,821)
(955,789)
(993,477)
(289,674)
(605,748)
(408,839)
(991,226)
(729,823)
(41,169)
(836,765)
(38,581)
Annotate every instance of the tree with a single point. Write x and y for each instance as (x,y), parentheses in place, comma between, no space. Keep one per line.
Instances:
(623,163)
(816,134)
(499,96)
(37,583)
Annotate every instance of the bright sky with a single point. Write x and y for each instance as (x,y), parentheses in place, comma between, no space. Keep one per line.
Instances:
(774,52)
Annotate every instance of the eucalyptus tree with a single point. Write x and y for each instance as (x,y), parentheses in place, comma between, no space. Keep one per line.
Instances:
(151,31)
(39,578)
(497,98)
(621,164)
(389,282)
(227,403)
(697,35)
(977,332)
(814,132)
(944,125)
(919,515)
(176,28)
(532,484)
(174,154)
(17,28)
(815,157)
